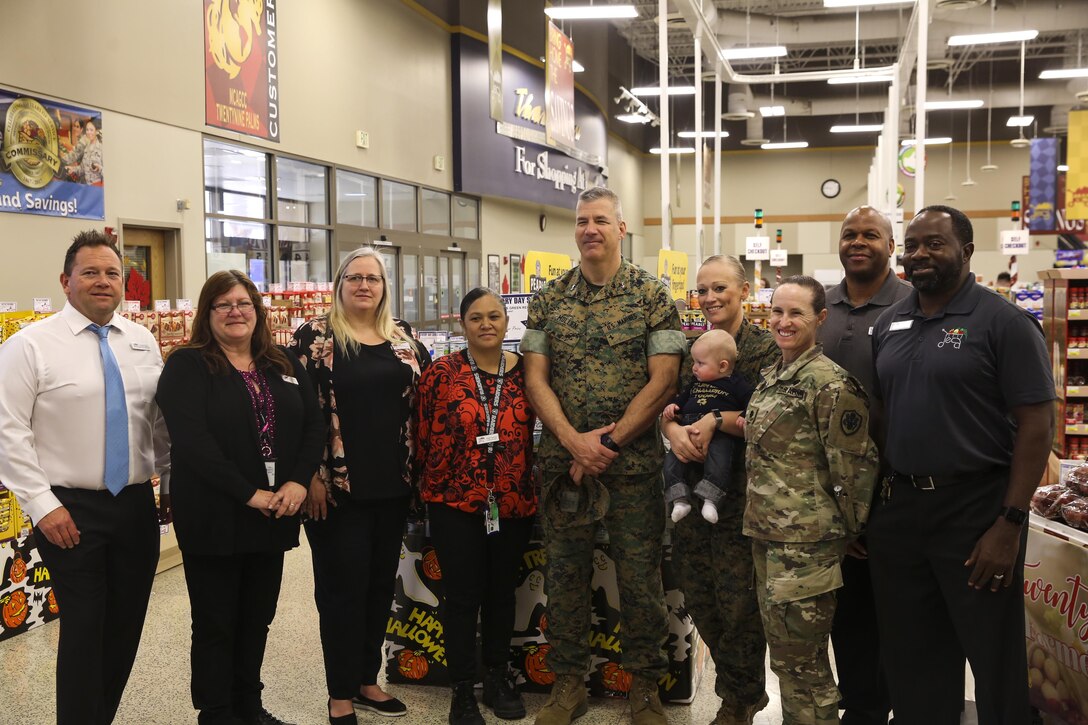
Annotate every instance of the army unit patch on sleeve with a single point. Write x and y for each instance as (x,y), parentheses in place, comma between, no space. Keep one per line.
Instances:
(851,422)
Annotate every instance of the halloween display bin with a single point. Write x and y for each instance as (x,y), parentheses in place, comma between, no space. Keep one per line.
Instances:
(416,647)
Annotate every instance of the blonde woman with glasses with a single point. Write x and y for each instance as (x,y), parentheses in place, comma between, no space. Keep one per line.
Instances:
(365,367)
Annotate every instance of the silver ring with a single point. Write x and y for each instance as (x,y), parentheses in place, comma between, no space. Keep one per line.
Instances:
(291,506)
(999,577)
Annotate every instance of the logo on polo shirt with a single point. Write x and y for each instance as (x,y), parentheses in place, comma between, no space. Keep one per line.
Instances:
(953,337)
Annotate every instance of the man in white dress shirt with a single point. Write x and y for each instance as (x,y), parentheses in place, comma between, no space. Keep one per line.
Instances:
(67,386)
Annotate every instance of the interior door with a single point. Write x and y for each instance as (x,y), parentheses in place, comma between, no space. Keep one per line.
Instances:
(144,267)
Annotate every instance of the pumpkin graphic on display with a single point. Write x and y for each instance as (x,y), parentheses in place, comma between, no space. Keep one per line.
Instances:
(430,563)
(413,665)
(18,569)
(615,677)
(543,622)
(536,664)
(14,612)
(51,602)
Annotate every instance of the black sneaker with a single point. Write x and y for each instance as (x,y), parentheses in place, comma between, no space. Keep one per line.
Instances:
(463,707)
(387,708)
(501,694)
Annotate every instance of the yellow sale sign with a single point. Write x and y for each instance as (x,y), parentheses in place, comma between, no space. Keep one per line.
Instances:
(672,270)
(541,267)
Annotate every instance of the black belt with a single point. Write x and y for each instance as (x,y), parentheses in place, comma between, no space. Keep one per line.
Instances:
(929,483)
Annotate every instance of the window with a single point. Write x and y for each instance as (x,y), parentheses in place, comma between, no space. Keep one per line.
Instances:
(398,206)
(303,255)
(239,245)
(235,181)
(356,199)
(435,212)
(466,215)
(301,192)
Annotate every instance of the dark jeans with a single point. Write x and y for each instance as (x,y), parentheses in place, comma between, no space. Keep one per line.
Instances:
(102,586)
(356,551)
(715,469)
(479,575)
(929,618)
(857,648)
(233,601)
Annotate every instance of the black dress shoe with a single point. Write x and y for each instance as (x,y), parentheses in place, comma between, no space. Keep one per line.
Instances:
(264,717)
(348,719)
(387,708)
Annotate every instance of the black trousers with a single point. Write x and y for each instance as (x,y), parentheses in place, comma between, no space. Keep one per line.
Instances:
(102,586)
(479,575)
(233,601)
(856,640)
(356,552)
(929,618)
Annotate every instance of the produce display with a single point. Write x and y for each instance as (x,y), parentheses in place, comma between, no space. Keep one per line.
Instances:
(1066,501)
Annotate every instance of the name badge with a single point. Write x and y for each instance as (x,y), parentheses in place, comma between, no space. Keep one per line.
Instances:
(289,379)
(901,325)
(402,346)
(870,331)
(270,473)
(141,346)
(484,440)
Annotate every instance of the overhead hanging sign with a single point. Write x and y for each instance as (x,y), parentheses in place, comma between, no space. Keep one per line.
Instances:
(51,158)
(672,270)
(779,257)
(1043,194)
(559,89)
(1076,179)
(1014,242)
(757,248)
(241,67)
(1043,220)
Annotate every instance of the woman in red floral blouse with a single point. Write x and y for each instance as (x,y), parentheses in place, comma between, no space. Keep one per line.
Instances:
(475,459)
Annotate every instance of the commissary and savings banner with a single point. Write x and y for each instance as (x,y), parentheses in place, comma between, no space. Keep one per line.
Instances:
(51,158)
(241,67)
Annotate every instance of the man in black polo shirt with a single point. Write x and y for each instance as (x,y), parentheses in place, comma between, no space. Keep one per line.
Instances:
(853,306)
(968,424)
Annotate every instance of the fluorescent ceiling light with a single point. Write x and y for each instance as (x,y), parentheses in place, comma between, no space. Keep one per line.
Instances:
(766,51)
(860,128)
(952,105)
(634,118)
(672,91)
(928,142)
(1064,73)
(979,38)
(591,12)
(577,67)
(844,80)
(1020,121)
(785,145)
(768,111)
(1063,167)
(863,3)
(673,150)
(704,134)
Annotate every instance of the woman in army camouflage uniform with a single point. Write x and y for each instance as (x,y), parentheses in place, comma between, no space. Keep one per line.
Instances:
(811,471)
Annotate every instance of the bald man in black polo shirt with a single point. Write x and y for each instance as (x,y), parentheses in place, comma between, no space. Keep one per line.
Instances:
(868,288)
(968,424)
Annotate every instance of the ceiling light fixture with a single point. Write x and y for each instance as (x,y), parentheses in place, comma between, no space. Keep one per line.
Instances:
(935,141)
(672,91)
(769,111)
(704,134)
(766,51)
(1014,36)
(633,118)
(859,128)
(1021,121)
(953,105)
(591,12)
(577,67)
(1064,73)
(845,80)
(863,3)
(785,145)
(673,150)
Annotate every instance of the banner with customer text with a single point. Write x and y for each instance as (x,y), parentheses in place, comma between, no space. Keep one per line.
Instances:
(241,67)
(559,89)
(51,159)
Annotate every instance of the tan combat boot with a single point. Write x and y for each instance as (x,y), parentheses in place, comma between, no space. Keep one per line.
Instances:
(745,716)
(567,701)
(646,708)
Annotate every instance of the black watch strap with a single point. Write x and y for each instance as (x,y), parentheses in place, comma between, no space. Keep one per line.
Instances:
(717,418)
(607,442)
(1014,515)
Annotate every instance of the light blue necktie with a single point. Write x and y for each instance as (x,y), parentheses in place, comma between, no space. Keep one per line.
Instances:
(116,473)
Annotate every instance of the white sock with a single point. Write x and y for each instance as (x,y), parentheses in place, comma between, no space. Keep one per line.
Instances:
(710,512)
(680,509)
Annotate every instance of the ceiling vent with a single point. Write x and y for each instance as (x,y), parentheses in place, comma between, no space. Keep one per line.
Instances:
(754,137)
(959,4)
(739,100)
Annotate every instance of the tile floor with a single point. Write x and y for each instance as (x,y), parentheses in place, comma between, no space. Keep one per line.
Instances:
(158,691)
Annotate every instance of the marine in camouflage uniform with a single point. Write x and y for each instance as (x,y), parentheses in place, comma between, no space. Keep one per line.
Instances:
(715,564)
(811,471)
(598,343)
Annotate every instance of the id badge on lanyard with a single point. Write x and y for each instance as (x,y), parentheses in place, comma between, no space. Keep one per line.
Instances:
(490,437)
(270,473)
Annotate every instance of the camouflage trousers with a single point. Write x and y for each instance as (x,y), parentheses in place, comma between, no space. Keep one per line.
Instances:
(796,583)
(714,562)
(635,523)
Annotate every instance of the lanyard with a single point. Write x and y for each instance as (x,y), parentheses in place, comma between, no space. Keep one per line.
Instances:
(491,411)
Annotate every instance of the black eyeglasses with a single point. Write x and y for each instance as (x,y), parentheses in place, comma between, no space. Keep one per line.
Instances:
(223,308)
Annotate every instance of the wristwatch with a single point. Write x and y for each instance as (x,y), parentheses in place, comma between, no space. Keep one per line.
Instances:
(1014,515)
(607,442)
(717,419)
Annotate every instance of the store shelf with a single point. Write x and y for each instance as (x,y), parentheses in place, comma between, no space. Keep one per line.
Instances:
(1077,315)
(1076,391)
(1077,353)
(1077,430)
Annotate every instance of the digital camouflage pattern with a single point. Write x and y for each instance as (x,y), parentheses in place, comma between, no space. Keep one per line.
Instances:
(811,463)
(635,522)
(796,583)
(715,563)
(597,343)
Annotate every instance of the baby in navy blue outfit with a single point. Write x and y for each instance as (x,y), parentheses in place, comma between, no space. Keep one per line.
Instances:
(714,357)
